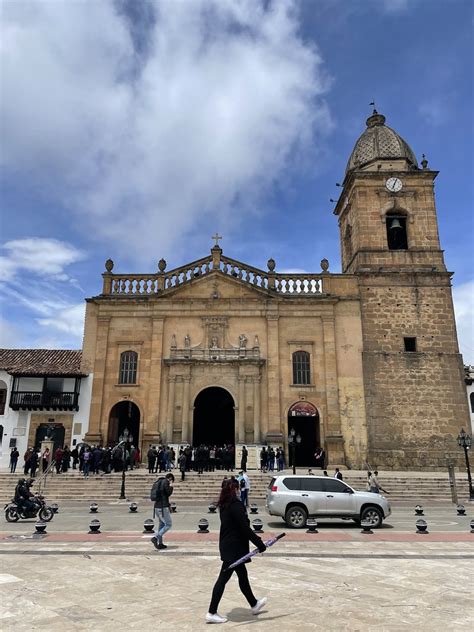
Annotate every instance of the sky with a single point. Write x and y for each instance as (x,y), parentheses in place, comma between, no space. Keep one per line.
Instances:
(135,130)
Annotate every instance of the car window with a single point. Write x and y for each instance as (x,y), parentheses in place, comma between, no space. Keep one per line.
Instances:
(334,485)
(292,483)
(270,484)
(312,484)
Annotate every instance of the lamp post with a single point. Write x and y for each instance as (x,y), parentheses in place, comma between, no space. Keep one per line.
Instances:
(464,442)
(293,440)
(122,444)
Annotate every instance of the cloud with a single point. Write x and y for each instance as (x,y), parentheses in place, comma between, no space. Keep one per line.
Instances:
(435,111)
(463,298)
(69,320)
(148,124)
(10,335)
(43,257)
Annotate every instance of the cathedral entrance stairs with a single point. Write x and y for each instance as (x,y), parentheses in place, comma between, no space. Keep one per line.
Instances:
(414,487)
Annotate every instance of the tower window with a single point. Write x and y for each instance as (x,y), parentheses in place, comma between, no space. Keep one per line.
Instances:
(471,398)
(410,344)
(301,368)
(128,367)
(396,232)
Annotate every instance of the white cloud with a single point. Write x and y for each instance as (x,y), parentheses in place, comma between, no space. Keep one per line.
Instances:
(44,257)
(144,144)
(463,298)
(69,320)
(10,335)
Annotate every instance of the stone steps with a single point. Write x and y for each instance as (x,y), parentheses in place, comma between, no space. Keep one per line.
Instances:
(411,487)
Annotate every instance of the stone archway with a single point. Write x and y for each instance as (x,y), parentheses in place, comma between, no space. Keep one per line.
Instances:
(214,417)
(124,423)
(304,418)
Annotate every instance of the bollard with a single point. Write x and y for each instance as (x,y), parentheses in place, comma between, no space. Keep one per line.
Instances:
(133,507)
(312,525)
(148,526)
(94,526)
(461,510)
(203,525)
(55,507)
(253,508)
(93,508)
(40,527)
(212,508)
(173,507)
(471,524)
(257,525)
(421,527)
(366,527)
(419,510)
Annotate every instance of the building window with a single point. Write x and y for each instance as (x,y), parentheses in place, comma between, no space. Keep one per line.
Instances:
(348,241)
(397,238)
(471,397)
(128,367)
(3,400)
(410,344)
(301,368)
(54,385)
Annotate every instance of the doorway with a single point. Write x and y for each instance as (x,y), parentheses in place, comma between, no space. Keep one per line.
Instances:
(303,417)
(214,417)
(124,423)
(52,431)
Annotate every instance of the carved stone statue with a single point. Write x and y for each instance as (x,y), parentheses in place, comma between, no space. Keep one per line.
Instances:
(256,344)
(242,341)
(214,342)
(173,342)
(187,341)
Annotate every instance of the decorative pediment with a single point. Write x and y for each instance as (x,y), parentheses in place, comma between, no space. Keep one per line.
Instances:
(218,269)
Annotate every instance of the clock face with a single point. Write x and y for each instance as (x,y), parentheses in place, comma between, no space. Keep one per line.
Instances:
(394,185)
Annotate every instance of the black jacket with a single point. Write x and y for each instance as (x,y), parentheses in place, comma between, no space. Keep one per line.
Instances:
(163,494)
(235,532)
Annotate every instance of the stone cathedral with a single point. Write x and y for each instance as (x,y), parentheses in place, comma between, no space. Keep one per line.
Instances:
(364,363)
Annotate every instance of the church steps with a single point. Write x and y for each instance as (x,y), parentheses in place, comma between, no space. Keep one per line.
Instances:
(411,487)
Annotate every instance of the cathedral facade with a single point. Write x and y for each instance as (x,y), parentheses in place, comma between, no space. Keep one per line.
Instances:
(364,363)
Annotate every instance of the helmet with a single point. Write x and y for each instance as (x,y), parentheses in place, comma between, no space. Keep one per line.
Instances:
(21,481)
(30,482)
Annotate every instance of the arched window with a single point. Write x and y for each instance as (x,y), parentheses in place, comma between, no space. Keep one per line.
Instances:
(471,397)
(397,238)
(128,367)
(301,368)
(348,241)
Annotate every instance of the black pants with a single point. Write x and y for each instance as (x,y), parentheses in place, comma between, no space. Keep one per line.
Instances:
(222,580)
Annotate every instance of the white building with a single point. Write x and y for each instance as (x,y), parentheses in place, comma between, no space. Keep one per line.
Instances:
(469,379)
(42,391)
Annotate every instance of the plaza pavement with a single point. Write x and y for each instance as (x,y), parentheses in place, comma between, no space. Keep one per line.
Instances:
(335,580)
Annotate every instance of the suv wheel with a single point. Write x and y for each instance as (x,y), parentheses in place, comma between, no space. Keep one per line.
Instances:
(296,517)
(372,515)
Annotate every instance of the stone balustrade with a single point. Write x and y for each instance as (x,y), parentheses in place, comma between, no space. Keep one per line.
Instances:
(157,283)
(214,355)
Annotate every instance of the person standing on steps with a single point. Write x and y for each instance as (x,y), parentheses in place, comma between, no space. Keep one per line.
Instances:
(243,459)
(182,465)
(160,494)
(234,536)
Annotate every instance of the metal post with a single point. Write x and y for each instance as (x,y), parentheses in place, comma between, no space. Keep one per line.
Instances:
(293,449)
(122,489)
(452,482)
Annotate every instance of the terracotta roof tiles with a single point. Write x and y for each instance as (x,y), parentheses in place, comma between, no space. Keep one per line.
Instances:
(41,361)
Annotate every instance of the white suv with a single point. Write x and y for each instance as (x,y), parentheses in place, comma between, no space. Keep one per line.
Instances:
(295,498)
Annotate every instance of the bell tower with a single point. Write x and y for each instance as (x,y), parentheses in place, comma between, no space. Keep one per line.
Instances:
(413,370)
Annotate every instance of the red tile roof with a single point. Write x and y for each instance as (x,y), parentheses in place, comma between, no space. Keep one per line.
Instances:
(41,361)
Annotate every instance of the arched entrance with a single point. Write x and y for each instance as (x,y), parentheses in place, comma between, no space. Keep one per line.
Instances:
(124,423)
(304,418)
(51,431)
(214,418)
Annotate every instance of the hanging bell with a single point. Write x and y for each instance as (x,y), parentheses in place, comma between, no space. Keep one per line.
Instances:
(395,224)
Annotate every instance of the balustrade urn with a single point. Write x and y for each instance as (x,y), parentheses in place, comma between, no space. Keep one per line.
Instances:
(162,265)
(324,265)
(109,265)
(271,264)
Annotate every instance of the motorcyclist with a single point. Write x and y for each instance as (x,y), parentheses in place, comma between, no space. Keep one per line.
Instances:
(27,495)
(18,495)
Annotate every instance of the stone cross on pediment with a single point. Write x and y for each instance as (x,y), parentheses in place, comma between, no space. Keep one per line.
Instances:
(216,237)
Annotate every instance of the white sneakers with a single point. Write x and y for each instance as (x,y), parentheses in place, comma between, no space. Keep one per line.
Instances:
(215,618)
(259,605)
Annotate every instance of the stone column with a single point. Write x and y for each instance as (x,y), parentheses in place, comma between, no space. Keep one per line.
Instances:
(97,432)
(256,410)
(151,427)
(274,433)
(185,434)
(241,411)
(333,432)
(170,413)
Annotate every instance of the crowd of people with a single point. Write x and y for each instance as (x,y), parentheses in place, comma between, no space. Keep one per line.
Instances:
(200,459)
(271,458)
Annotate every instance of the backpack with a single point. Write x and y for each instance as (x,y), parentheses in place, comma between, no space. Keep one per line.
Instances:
(156,489)
(242,483)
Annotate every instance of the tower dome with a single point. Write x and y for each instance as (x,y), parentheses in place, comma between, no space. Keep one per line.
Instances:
(379,142)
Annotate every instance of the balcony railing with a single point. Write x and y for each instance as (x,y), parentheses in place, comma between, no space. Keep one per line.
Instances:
(212,355)
(33,400)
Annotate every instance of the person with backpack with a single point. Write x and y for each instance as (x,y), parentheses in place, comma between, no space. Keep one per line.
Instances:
(160,495)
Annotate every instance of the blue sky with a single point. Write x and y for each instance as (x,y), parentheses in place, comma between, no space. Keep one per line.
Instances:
(135,130)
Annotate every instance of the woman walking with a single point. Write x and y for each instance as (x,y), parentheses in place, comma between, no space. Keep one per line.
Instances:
(234,537)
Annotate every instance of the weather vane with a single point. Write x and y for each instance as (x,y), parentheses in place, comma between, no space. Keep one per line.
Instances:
(373,103)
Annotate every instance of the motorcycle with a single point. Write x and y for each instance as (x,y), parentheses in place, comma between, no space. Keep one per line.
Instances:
(40,509)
